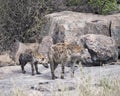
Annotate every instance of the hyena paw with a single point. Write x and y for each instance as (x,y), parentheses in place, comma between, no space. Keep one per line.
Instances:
(23,72)
(54,77)
(38,73)
(62,77)
(33,74)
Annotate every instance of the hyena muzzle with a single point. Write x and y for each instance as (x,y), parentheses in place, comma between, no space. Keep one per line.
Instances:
(34,60)
(62,53)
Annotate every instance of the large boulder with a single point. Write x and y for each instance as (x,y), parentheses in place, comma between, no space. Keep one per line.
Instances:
(68,26)
(100,49)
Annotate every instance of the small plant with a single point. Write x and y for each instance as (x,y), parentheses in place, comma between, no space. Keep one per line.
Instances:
(105,83)
(18,92)
(103,6)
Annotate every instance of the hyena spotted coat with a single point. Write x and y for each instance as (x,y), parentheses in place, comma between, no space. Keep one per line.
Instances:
(61,53)
(33,58)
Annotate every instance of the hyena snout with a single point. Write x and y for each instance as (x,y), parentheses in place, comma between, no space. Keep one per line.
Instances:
(46,65)
(44,62)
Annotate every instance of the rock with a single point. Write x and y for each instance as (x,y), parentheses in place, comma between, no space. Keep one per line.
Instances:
(6,60)
(68,25)
(102,49)
(115,31)
(98,26)
(45,45)
(12,80)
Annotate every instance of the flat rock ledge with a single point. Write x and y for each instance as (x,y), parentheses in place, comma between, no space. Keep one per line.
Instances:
(12,81)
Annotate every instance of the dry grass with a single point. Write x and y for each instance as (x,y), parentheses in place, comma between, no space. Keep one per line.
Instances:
(104,88)
(85,87)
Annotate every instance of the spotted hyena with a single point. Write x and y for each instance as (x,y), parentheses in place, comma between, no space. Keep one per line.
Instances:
(62,53)
(33,58)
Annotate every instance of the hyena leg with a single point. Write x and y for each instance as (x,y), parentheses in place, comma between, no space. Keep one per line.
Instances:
(53,67)
(22,66)
(63,71)
(32,68)
(72,67)
(72,70)
(36,67)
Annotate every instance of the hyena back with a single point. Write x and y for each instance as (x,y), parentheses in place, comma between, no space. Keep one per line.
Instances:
(61,53)
(33,59)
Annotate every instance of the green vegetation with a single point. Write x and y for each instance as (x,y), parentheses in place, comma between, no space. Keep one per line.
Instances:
(103,6)
(73,2)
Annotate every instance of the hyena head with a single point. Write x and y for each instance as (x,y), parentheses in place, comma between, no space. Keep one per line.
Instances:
(74,54)
(41,59)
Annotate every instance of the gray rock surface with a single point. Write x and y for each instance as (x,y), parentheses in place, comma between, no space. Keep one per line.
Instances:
(68,25)
(102,49)
(45,45)
(115,29)
(6,60)
(13,81)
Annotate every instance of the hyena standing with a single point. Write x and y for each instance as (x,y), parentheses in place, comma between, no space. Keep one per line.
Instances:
(33,58)
(61,53)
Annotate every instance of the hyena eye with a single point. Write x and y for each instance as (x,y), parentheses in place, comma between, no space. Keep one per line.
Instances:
(42,59)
